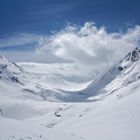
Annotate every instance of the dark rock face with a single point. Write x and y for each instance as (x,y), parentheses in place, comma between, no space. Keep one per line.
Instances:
(120,68)
(1,57)
(133,56)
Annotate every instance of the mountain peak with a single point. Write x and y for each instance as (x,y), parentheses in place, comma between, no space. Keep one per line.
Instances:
(133,55)
(3,60)
(130,58)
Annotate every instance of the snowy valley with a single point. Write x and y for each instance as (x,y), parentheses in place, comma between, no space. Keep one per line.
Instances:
(55,102)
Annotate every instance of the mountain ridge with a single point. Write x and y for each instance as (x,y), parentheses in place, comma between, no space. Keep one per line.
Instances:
(78,91)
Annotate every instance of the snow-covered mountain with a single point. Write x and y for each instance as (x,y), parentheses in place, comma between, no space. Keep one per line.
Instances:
(119,76)
(47,82)
(9,71)
(44,102)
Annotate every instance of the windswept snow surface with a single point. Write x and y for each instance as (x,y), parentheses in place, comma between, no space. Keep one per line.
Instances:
(43,102)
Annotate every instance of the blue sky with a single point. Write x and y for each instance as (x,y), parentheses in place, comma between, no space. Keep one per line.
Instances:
(24,22)
(44,16)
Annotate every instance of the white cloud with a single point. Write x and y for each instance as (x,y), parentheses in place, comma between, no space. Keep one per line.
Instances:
(91,46)
(19,39)
(87,46)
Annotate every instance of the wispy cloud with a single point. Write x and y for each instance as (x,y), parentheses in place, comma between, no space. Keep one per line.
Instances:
(19,40)
(57,8)
(50,9)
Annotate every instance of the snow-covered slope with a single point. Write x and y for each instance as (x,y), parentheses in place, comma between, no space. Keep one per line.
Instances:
(49,82)
(52,82)
(9,71)
(106,108)
(119,76)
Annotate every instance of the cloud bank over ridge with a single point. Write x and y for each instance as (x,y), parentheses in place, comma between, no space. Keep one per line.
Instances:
(89,45)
